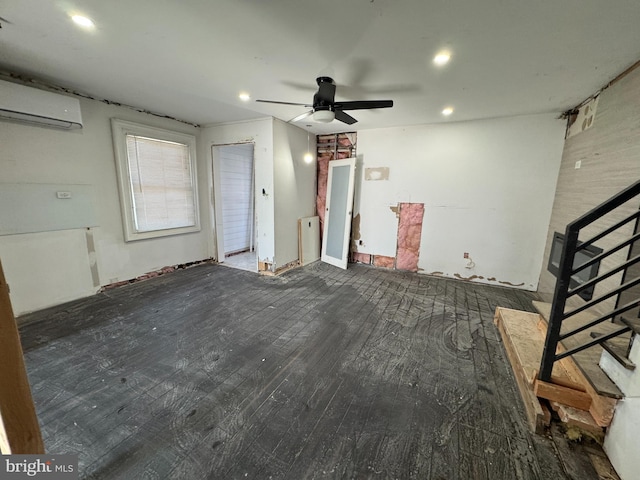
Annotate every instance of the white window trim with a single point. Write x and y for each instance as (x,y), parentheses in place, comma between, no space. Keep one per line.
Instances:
(122,128)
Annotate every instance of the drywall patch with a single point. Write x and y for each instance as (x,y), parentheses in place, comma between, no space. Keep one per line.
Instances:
(409,235)
(376,173)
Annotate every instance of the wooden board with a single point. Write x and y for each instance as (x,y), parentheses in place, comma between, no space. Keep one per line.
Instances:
(574,418)
(524,342)
(308,240)
(584,365)
(564,395)
(522,356)
(19,429)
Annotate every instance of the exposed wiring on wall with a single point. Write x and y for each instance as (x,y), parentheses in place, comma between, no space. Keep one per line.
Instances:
(470,263)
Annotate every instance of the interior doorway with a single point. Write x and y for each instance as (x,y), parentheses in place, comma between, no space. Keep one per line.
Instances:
(234,205)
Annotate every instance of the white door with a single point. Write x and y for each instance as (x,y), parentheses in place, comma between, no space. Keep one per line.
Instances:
(337,217)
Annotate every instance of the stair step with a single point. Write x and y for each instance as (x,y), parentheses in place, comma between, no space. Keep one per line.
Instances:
(618,348)
(587,360)
(632,323)
(523,336)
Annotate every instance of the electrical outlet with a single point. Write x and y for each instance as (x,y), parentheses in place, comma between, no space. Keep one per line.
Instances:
(578,164)
(466,255)
(63,194)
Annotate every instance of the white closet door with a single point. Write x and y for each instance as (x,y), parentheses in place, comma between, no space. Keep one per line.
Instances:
(337,218)
(236,171)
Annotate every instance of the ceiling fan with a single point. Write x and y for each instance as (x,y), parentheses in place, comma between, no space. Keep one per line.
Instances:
(325,109)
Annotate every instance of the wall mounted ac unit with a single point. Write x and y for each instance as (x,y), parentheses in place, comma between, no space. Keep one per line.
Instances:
(38,107)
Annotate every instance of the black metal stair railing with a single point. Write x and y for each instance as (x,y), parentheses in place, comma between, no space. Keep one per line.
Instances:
(567,270)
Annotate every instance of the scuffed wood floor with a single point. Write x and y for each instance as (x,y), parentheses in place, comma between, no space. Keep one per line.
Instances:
(219,373)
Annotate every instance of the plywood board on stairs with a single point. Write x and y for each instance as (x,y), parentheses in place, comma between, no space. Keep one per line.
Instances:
(587,360)
(524,343)
(603,391)
(522,356)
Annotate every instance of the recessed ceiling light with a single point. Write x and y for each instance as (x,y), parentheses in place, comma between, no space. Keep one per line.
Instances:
(442,58)
(82,21)
(244,96)
(447,111)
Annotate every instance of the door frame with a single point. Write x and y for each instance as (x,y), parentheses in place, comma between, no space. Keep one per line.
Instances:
(217,203)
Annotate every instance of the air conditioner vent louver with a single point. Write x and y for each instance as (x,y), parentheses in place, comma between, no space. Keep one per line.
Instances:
(24,104)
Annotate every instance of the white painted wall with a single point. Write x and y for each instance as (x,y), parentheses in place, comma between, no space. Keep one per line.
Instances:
(49,268)
(487,186)
(295,188)
(46,268)
(621,442)
(260,133)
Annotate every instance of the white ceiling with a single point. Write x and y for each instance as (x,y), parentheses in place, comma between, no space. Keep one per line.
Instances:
(189,59)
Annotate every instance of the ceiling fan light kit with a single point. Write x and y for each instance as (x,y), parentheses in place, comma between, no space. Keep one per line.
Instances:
(325,109)
(324,116)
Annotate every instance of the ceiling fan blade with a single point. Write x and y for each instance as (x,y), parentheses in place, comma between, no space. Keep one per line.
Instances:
(302,116)
(345,117)
(286,103)
(364,104)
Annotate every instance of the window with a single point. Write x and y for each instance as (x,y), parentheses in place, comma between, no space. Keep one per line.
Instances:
(157,180)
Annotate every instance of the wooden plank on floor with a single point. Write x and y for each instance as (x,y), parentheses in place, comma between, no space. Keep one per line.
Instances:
(565,395)
(522,361)
(584,365)
(19,429)
(524,328)
(579,419)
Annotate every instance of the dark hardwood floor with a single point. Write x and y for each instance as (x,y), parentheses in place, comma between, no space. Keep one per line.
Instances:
(212,372)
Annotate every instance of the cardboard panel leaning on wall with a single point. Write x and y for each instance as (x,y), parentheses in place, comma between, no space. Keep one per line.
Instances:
(609,161)
(487,187)
(48,268)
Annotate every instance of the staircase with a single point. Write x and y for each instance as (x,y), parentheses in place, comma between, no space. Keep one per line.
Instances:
(589,362)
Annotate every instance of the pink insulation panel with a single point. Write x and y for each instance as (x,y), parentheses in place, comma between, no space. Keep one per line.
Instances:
(409,234)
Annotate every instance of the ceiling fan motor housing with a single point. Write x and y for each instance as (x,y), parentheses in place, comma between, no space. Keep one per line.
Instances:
(324,98)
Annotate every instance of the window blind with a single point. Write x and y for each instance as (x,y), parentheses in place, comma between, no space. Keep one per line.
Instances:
(161,184)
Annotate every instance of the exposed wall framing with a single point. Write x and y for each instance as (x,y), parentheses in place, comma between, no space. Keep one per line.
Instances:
(335,146)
